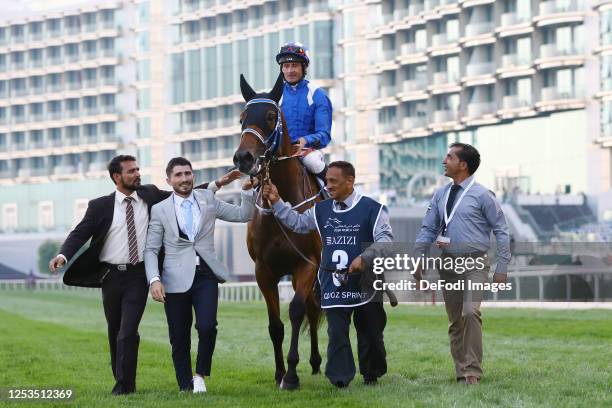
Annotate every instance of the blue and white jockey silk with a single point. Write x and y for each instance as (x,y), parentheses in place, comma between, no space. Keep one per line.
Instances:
(342,233)
(308,113)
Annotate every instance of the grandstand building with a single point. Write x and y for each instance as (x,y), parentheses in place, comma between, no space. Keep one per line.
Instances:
(528,82)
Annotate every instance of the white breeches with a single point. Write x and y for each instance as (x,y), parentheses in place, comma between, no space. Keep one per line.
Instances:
(314,161)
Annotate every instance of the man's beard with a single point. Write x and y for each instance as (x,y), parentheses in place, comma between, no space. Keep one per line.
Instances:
(180,187)
(136,185)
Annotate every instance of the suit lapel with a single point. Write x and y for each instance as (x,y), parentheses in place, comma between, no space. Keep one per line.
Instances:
(201,199)
(168,207)
(109,212)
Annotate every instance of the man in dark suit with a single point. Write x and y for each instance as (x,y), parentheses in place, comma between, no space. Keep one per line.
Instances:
(117,225)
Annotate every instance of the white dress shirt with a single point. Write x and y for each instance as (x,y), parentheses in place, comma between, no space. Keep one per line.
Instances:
(195,211)
(115,249)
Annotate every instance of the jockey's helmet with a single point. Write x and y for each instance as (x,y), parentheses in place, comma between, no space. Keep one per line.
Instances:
(293,52)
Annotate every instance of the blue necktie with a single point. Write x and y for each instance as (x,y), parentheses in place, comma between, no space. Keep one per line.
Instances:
(188,217)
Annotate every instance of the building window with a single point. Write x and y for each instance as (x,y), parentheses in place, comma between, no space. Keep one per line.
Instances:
(143,42)
(45,215)
(80,207)
(9,217)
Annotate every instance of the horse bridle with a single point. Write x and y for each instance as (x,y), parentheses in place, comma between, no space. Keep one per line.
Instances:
(272,142)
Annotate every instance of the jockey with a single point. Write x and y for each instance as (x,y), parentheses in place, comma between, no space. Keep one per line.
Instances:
(307,109)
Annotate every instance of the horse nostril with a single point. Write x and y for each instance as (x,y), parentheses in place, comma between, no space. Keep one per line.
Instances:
(243,159)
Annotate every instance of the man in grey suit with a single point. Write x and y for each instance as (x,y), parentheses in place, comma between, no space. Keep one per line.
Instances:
(184,224)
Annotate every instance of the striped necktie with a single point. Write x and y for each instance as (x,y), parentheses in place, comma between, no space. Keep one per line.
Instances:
(131,227)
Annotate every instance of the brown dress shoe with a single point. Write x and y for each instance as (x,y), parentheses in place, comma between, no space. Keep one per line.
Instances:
(472,380)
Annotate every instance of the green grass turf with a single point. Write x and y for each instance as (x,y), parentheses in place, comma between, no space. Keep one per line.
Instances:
(532,358)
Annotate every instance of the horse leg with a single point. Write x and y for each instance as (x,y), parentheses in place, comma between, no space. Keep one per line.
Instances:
(276,328)
(313,312)
(297,311)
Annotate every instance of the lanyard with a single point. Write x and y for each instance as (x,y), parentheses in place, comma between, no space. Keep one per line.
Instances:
(447,217)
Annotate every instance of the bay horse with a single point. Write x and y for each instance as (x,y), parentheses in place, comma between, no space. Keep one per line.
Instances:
(265,151)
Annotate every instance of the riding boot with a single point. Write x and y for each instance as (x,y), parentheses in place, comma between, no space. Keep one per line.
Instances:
(323,182)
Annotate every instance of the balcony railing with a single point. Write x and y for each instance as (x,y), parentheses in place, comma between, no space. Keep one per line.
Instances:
(408,48)
(440,39)
(413,122)
(554,50)
(474,29)
(54,88)
(388,91)
(38,172)
(109,80)
(552,93)
(558,6)
(56,115)
(481,68)
(389,54)
(515,60)
(442,78)
(387,127)
(515,101)
(108,109)
(74,85)
(400,13)
(441,116)
(193,127)
(73,113)
(509,19)
(478,109)
(63,170)
(413,85)
(415,8)
(107,52)
(36,63)
(73,30)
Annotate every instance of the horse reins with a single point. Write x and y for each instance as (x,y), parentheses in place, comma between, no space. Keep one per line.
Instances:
(272,143)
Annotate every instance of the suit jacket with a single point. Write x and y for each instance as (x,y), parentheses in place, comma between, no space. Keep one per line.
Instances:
(180,253)
(86,270)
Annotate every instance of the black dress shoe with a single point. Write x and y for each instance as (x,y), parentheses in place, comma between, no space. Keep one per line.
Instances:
(121,389)
(370,380)
(122,392)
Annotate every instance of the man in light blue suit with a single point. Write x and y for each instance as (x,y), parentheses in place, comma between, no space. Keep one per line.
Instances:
(184,224)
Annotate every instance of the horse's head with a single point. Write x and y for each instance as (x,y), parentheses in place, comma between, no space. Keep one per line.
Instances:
(261,126)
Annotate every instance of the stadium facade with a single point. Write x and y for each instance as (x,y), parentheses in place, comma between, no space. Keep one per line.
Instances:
(528,82)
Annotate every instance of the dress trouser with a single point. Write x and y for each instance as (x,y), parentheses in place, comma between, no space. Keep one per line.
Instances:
(464,321)
(370,321)
(124,295)
(203,298)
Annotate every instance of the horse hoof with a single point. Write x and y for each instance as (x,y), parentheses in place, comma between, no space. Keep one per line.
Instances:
(289,386)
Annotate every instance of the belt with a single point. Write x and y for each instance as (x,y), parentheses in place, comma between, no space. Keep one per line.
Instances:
(125,267)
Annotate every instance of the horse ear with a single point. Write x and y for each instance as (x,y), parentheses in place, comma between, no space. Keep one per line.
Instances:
(277,91)
(247,92)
